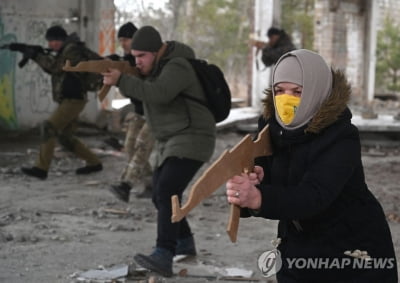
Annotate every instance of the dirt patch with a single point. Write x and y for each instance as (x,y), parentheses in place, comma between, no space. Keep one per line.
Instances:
(52,230)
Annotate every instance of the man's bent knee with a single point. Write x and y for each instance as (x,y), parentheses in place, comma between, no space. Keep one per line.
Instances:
(68,142)
(47,131)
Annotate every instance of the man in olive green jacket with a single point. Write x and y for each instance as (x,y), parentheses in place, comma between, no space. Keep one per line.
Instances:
(70,94)
(184,130)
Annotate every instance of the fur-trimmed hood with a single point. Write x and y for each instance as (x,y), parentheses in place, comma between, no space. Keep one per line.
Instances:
(329,111)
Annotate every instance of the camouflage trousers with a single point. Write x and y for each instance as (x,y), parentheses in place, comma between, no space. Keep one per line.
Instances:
(138,145)
(61,126)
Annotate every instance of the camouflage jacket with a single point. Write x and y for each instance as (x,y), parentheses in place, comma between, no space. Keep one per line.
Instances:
(65,84)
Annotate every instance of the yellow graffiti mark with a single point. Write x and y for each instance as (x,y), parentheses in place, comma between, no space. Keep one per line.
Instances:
(6,98)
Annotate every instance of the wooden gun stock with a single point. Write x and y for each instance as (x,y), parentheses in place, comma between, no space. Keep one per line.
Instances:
(101,66)
(233,162)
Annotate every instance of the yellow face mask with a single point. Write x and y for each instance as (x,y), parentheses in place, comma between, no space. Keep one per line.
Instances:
(286,106)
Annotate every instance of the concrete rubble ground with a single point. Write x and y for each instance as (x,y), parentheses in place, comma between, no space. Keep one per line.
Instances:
(69,227)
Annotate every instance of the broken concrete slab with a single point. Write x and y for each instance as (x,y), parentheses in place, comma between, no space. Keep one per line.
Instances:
(104,275)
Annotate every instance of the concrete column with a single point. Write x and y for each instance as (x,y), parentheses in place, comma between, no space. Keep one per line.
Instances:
(97,20)
(266,14)
(370,52)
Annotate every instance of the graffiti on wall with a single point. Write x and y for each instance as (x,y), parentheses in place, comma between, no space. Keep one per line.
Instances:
(22,91)
(107,32)
(36,81)
(8,117)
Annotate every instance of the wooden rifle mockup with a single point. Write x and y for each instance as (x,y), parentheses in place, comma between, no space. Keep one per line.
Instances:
(101,66)
(240,159)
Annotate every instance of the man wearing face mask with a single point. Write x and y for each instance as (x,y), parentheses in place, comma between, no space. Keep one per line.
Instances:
(314,183)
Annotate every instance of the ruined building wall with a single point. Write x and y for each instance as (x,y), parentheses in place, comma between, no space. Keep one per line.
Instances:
(390,8)
(340,38)
(25,93)
(342,30)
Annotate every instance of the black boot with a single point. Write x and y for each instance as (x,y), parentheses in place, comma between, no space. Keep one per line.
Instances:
(159,261)
(121,191)
(89,169)
(114,143)
(35,172)
(186,247)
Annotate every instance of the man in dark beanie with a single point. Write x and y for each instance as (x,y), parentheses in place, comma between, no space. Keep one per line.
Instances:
(273,31)
(56,33)
(147,39)
(184,130)
(278,44)
(70,95)
(127,30)
(138,141)
(125,34)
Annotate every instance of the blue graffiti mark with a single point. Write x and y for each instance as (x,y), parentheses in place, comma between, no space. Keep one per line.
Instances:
(8,116)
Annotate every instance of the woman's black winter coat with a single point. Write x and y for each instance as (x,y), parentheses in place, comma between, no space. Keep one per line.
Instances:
(314,184)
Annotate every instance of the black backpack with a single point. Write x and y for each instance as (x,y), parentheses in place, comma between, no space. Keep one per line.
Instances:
(214,85)
(215,88)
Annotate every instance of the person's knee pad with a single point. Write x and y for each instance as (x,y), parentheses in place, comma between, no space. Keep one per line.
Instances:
(68,142)
(47,131)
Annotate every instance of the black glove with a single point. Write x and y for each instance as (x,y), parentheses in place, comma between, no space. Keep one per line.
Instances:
(114,57)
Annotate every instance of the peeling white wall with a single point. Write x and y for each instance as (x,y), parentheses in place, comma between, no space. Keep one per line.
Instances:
(25,94)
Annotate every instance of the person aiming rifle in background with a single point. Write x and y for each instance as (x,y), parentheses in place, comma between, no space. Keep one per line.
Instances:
(28,51)
(278,44)
(69,92)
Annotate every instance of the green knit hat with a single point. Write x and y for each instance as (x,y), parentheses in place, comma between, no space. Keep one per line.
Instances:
(147,38)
